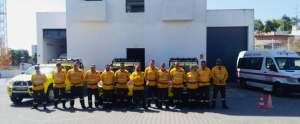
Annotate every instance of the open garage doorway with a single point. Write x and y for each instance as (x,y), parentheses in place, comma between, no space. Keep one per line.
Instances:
(54,44)
(137,53)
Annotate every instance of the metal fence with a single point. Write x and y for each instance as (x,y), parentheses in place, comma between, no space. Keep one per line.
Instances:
(278,44)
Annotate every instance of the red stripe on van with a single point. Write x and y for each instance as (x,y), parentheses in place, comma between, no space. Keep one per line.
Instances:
(270,75)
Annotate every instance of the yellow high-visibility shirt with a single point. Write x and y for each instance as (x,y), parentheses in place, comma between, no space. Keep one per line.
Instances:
(38,80)
(203,76)
(219,74)
(137,79)
(177,77)
(59,78)
(163,78)
(108,80)
(122,77)
(192,80)
(92,79)
(75,77)
(151,75)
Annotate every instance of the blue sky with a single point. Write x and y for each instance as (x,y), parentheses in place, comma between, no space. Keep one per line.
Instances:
(22,21)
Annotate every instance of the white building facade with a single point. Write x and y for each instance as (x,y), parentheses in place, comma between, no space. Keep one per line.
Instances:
(33,49)
(99,31)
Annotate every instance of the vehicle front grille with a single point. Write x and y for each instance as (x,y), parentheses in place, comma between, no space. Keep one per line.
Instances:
(23,83)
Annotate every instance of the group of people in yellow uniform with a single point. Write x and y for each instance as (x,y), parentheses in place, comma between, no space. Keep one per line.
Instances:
(157,83)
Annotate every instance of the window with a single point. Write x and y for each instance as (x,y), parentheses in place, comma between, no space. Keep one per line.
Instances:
(250,63)
(67,68)
(288,63)
(133,6)
(269,62)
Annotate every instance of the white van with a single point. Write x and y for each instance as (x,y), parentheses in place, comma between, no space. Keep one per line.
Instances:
(272,70)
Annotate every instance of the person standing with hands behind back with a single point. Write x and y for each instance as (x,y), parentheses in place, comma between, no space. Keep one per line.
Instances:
(219,75)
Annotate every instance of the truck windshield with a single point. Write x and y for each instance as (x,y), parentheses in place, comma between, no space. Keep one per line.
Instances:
(45,69)
(131,69)
(285,63)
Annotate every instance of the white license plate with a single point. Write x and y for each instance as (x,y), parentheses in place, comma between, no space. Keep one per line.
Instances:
(21,88)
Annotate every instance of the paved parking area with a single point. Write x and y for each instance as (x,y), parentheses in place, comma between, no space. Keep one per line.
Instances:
(243,106)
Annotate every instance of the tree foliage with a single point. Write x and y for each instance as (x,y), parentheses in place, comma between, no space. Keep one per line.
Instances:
(258,25)
(271,25)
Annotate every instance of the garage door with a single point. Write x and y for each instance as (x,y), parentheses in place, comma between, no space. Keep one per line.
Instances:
(226,43)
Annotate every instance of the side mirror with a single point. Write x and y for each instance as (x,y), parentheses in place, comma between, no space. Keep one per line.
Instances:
(23,72)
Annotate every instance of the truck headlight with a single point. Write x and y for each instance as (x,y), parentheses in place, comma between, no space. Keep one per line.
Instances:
(9,82)
(291,79)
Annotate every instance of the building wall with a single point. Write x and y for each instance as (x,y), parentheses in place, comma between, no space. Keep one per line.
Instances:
(100,40)
(46,20)
(33,49)
(233,18)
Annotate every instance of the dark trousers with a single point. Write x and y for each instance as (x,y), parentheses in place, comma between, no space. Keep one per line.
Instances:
(108,96)
(218,88)
(152,90)
(76,91)
(163,93)
(204,93)
(42,96)
(122,93)
(178,92)
(192,94)
(62,95)
(138,95)
(92,92)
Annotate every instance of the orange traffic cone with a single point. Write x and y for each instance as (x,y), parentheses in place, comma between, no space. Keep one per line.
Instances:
(269,102)
(261,102)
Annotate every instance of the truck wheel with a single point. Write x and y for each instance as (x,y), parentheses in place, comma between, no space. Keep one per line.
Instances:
(50,94)
(16,99)
(279,90)
(243,84)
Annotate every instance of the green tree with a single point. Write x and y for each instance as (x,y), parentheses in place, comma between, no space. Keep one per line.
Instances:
(271,25)
(286,24)
(295,20)
(19,56)
(258,25)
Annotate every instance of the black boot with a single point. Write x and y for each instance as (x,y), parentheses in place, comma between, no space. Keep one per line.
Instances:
(132,106)
(96,105)
(160,105)
(72,104)
(44,106)
(90,105)
(190,105)
(117,105)
(144,105)
(213,104)
(175,105)
(207,105)
(167,104)
(201,104)
(224,106)
(34,107)
(55,105)
(82,104)
(157,105)
(179,105)
(64,104)
(128,104)
(149,103)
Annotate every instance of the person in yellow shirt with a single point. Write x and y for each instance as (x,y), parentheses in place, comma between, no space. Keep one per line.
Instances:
(219,75)
(59,77)
(192,85)
(92,78)
(137,79)
(177,76)
(203,84)
(38,79)
(163,85)
(122,77)
(76,76)
(108,85)
(151,75)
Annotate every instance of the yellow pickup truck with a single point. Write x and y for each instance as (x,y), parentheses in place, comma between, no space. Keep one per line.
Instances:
(20,87)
